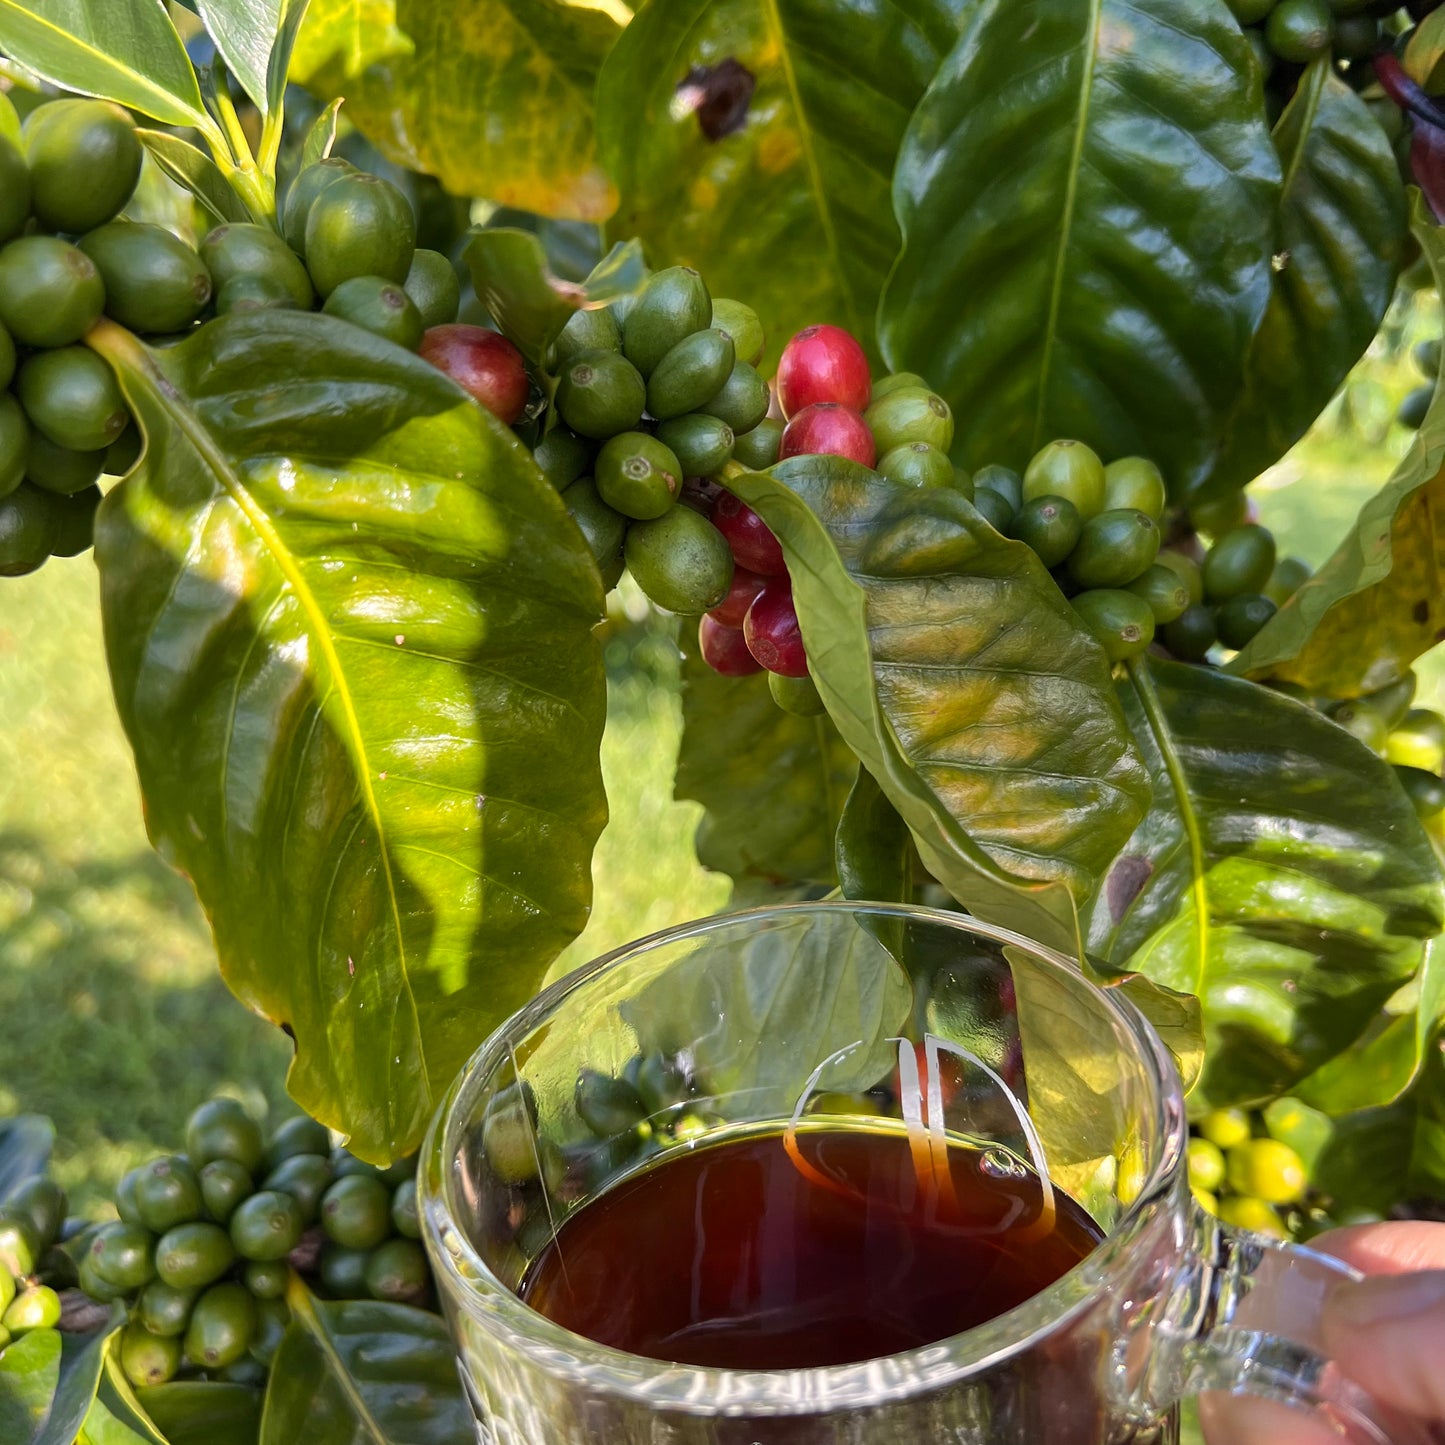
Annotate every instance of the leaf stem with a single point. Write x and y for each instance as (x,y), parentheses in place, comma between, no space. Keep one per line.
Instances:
(1143,681)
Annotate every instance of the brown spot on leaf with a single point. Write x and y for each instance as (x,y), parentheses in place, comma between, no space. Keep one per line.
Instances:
(719,95)
(1421,611)
(1126,879)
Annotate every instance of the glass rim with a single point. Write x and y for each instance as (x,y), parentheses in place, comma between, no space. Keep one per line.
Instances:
(706,1391)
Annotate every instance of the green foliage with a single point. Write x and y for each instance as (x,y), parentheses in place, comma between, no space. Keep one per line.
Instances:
(755,140)
(25,1144)
(418,78)
(874,851)
(1280,875)
(1106,207)
(958,674)
(187,1412)
(773,784)
(427,770)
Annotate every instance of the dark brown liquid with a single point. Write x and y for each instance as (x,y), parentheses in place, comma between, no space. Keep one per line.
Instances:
(737,1256)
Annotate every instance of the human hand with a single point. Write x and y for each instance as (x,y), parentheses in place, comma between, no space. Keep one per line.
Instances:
(1387,1333)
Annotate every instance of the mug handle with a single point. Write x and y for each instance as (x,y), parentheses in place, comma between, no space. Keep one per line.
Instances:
(1245,1321)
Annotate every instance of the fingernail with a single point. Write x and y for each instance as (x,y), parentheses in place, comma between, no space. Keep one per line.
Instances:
(1387,1297)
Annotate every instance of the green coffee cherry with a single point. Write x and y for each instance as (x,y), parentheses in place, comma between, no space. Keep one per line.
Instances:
(607,1105)
(164,1310)
(75,522)
(125,1202)
(221,1328)
(123,1255)
(239,249)
(222,1129)
(680,560)
(224,1184)
(254,293)
(1289,575)
(600,395)
(742,324)
(431,282)
(272,1319)
(588,331)
(757,448)
(796,695)
(1114,549)
(343,1272)
(360,225)
(84,158)
(267,1226)
(896,381)
(381,307)
(96,1287)
(41,1202)
(19,1246)
(701,444)
(1190,636)
(1414,408)
(1187,571)
(1426,791)
(1206,1165)
(1220,514)
(397,1271)
(671,306)
(148,1359)
(660,1080)
(690,373)
(7,1290)
(1254,1215)
(601,526)
(1003,480)
(1241,618)
(1049,525)
(71,395)
(1121,623)
(36,1308)
(304,189)
(742,401)
(562,456)
(1418,741)
(1299,30)
(154,283)
(1240,561)
(1268,1170)
(917,464)
(1164,590)
(305,1177)
(1066,469)
(637,475)
(296,1136)
(14,191)
(191,1256)
(1225,1128)
(1362,720)
(167,1193)
(910,414)
(356,1212)
(994,508)
(1250,12)
(1356,37)
(51,293)
(405,1215)
(267,1278)
(28,530)
(1134,483)
(14,443)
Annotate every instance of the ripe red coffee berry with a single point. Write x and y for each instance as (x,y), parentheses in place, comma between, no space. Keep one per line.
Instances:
(772,631)
(482,362)
(734,607)
(823,363)
(829,430)
(754,546)
(725,649)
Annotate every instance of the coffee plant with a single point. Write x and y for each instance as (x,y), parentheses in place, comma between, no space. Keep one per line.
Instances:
(916,359)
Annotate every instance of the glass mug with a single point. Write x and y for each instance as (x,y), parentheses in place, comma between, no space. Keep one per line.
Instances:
(777,1011)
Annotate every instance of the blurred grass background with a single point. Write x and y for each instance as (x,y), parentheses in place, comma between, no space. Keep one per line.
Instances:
(114,1020)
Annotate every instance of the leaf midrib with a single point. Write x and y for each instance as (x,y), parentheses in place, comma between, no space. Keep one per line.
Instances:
(316,1328)
(124,350)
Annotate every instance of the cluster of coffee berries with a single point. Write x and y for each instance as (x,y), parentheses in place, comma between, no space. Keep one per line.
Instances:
(1411,739)
(32,1223)
(207,1240)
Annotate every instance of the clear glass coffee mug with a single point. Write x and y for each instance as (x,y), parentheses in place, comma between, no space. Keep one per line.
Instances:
(778,1013)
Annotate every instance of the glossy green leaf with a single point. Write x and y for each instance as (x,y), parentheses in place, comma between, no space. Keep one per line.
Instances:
(1281,876)
(321,137)
(25,1144)
(244,32)
(351,641)
(123,50)
(873,849)
(1087,196)
(1384,1061)
(755,140)
(1378,603)
(355,1372)
(48,1382)
(1341,232)
(198,173)
(773,785)
(192,1412)
(1425,52)
(527,300)
(959,675)
(494,98)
